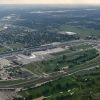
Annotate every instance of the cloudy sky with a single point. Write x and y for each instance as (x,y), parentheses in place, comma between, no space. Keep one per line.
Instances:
(50,1)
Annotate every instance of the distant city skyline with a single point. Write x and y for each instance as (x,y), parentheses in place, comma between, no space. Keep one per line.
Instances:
(50,2)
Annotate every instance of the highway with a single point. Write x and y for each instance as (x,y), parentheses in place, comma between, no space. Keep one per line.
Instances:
(42,80)
(52,76)
(40,48)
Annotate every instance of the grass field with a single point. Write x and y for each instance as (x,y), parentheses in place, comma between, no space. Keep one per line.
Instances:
(70,60)
(57,62)
(16,45)
(4,83)
(80,87)
(3,49)
(81,46)
(82,32)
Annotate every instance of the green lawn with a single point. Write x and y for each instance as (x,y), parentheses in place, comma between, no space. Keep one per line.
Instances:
(81,46)
(3,49)
(16,45)
(80,87)
(66,59)
(15,82)
(82,32)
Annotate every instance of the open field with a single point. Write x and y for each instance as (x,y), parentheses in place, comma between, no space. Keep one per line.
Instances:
(85,55)
(82,32)
(3,49)
(62,60)
(15,46)
(81,46)
(72,87)
(69,86)
(50,52)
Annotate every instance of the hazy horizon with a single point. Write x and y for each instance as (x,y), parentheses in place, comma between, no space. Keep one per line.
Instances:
(75,2)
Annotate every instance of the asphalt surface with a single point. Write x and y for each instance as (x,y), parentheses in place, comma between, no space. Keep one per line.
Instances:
(42,80)
(40,48)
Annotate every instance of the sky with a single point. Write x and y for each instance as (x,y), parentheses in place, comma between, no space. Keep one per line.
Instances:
(49,1)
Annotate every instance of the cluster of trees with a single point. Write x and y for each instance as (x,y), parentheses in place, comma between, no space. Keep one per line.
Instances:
(33,38)
(82,87)
(49,89)
(79,58)
(70,60)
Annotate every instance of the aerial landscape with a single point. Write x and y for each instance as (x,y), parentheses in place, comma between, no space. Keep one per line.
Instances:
(49,52)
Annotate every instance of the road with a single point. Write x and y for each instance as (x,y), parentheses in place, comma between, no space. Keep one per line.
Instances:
(40,48)
(52,76)
(43,80)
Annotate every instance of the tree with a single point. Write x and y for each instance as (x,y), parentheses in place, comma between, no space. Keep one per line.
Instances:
(64,57)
